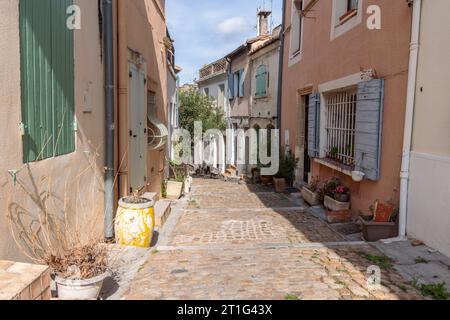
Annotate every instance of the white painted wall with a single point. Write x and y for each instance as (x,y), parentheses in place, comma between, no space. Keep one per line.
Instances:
(429,197)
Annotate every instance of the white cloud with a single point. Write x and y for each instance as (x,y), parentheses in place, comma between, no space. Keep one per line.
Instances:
(232,26)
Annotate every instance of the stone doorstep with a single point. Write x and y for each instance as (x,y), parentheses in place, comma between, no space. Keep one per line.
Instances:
(162,212)
(22,281)
(162,209)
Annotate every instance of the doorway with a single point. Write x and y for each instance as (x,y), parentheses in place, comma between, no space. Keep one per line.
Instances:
(306,157)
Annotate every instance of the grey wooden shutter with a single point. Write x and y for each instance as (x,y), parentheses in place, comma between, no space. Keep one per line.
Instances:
(230,86)
(369,118)
(314,125)
(241,83)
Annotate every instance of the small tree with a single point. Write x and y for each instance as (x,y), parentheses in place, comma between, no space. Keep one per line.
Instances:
(195,106)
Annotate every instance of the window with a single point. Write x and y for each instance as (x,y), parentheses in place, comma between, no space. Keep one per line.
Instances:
(206,92)
(261,81)
(47,79)
(341,126)
(238,83)
(346,15)
(352,5)
(296,28)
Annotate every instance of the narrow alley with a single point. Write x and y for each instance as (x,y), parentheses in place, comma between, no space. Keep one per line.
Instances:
(231,241)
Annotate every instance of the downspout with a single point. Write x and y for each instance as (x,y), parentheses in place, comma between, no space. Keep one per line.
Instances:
(409,116)
(280,68)
(123,79)
(109,118)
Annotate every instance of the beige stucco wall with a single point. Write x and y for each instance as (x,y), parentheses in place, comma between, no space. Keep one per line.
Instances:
(145,32)
(429,193)
(59,172)
(264,110)
(323,60)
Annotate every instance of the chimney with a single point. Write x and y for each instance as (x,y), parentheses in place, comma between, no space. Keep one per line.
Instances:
(263,22)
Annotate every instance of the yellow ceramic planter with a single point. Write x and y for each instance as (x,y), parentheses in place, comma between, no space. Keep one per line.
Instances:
(135,223)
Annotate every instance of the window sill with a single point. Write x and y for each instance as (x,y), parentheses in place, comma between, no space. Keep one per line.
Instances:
(347,170)
(347,16)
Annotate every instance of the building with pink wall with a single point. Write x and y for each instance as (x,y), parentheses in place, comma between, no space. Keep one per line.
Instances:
(344,93)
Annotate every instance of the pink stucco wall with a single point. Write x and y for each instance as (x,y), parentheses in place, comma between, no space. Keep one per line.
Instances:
(324,60)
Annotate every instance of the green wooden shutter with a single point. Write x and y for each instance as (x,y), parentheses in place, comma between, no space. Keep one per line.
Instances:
(47,79)
(261,81)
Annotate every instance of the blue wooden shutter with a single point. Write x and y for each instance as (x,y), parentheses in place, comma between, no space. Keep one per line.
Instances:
(230,86)
(314,125)
(47,79)
(369,118)
(241,83)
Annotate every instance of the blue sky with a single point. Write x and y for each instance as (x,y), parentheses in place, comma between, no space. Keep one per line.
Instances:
(206,30)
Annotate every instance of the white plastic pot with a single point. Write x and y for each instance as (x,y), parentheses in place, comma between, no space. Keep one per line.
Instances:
(80,289)
(358,176)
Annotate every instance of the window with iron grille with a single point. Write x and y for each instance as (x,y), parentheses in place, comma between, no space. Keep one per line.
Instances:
(341,126)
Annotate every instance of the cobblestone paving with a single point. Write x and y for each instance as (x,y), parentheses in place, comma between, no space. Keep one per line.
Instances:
(235,245)
(247,226)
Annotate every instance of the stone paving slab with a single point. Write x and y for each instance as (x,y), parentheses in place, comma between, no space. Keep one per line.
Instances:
(310,274)
(240,200)
(229,243)
(247,226)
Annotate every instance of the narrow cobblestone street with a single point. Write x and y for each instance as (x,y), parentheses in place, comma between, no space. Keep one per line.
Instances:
(233,241)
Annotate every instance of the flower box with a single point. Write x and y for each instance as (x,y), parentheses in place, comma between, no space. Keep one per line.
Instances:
(334,205)
(375,231)
(174,190)
(312,198)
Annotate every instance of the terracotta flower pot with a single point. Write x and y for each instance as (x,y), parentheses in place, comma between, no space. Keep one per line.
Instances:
(266,180)
(312,198)
(339,216)
(280,184)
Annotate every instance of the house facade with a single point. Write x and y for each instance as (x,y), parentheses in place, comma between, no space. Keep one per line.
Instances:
(52,135)
(52,87)
(344,93)
(264,59)
(428,172)
(213,83)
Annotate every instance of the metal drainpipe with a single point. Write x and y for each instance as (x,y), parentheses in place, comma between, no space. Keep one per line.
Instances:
(280,70)
(409,116)
(109,118)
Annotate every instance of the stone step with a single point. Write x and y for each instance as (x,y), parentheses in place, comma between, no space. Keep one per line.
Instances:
(163,208)
(22,281)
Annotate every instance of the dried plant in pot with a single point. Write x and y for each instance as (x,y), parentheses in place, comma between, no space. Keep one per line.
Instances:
(63,228)
(312,193)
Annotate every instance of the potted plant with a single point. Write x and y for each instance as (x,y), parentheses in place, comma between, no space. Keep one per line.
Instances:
(382,224)
(175,184)
(312,193)
(286,172)
(64,235)
(135,221)
(337,201)
(256,174)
